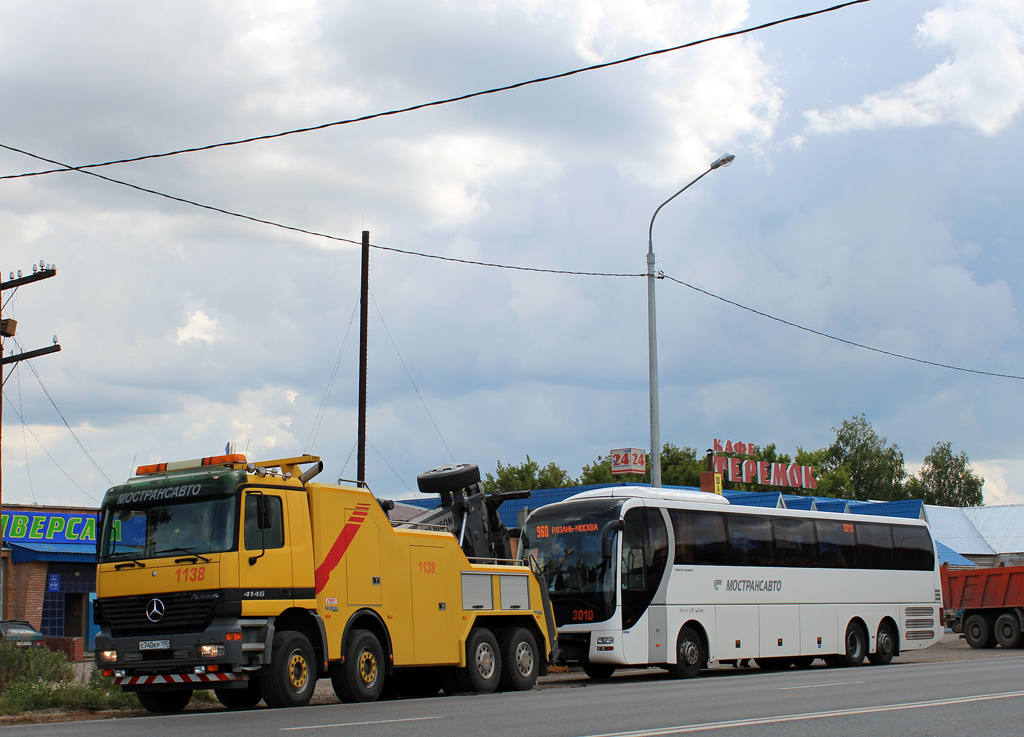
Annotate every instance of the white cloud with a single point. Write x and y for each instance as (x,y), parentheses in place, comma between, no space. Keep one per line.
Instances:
(981,86)
(199,327)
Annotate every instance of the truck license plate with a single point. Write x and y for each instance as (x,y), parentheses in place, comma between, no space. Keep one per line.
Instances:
(155,645)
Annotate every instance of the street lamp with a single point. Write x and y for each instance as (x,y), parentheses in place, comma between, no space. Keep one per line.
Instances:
(652,332)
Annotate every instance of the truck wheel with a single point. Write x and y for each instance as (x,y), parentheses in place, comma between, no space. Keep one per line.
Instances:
(483,663)
(291,676)
(856,648)
(978,631)
(164,702)
(885,645)
(448,478)
(519,669)
(360,678)
(599,671)
(1007,630)
(240,698)
(689,654)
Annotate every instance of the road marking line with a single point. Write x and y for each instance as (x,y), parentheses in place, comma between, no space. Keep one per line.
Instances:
(820,685)
(357,724)
(685,728)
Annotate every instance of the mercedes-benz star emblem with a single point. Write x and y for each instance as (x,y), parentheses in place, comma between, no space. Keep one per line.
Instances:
(155,610)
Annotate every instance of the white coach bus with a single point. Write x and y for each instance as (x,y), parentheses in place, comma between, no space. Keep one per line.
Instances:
(675,579)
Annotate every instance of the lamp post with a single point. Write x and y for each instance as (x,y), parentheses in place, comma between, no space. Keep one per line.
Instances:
(652,332)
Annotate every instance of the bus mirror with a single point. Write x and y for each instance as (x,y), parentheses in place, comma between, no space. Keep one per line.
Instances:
(608,539)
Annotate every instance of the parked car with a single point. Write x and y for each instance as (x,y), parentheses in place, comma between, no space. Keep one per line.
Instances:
(21,633)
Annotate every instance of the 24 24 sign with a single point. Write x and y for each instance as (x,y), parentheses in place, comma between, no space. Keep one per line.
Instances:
(629,460)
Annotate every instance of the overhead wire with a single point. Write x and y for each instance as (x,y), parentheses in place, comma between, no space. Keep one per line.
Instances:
(841,340)
(438,103)
(49,455)
(64,419)
(330,383)
(412,381)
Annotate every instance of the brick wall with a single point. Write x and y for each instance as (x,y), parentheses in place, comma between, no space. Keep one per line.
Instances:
(26,587)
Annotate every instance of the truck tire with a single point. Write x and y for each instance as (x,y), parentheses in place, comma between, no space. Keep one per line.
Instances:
(1007,630)
(856,648)
(290,678)
(689,654)
(599,671)
(448,478)
(240,698)
(885,645)
(483,663)
(519,667)
(979,632)
(360,678)
(164,702)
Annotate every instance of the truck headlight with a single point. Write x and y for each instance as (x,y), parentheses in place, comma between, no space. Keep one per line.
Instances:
(108,656)
(211,651)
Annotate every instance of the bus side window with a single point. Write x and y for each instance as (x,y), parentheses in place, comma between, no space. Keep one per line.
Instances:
(837,546)
(751,541)
(913,548)
(634,570)
(874,546)
(795,543)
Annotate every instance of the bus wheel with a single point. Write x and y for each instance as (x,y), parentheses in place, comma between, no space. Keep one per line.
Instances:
(290,677)
(1007,630)
(240,698)
(978,631)
(689,654)
(164,702)
(483,663)
(360,678)
(856,647)
(599,671)
(885,647)
(803,661)
(518,650)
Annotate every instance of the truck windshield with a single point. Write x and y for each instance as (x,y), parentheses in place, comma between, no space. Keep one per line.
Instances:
(565,540)
(170,517)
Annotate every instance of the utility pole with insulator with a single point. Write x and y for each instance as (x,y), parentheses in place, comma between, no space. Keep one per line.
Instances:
(8,329)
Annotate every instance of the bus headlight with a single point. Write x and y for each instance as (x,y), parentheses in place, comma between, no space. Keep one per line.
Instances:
(211,651)
(604,644)
(108,656)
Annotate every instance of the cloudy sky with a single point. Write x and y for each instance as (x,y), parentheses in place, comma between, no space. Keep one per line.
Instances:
(876,197)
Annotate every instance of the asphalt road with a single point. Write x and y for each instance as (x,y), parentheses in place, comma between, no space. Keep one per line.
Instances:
(946,690)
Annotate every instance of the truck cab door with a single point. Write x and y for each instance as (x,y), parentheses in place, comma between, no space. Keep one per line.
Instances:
(265,551)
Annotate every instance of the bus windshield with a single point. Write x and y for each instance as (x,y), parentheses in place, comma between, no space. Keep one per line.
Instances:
(170,517)
(565,541)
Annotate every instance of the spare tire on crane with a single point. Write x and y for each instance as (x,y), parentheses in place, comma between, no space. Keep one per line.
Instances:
(448,478)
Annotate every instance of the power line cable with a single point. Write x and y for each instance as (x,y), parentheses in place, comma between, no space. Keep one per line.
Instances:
(64,419)
(411,380)
(330,383)
(841,340)
(437,103)
(43,447)
(24,440)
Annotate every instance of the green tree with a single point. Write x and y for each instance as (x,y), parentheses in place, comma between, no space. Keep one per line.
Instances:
(526,477)
(832,481)
(947,479)
(679,467)
(875,468)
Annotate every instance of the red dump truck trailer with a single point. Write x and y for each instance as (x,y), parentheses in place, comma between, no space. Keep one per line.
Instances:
(985,604)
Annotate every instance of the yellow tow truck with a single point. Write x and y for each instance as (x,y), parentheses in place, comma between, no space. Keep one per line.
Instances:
(253,580)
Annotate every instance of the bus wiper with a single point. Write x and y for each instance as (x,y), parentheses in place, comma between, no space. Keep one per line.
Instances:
(193,557)
(129,564)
